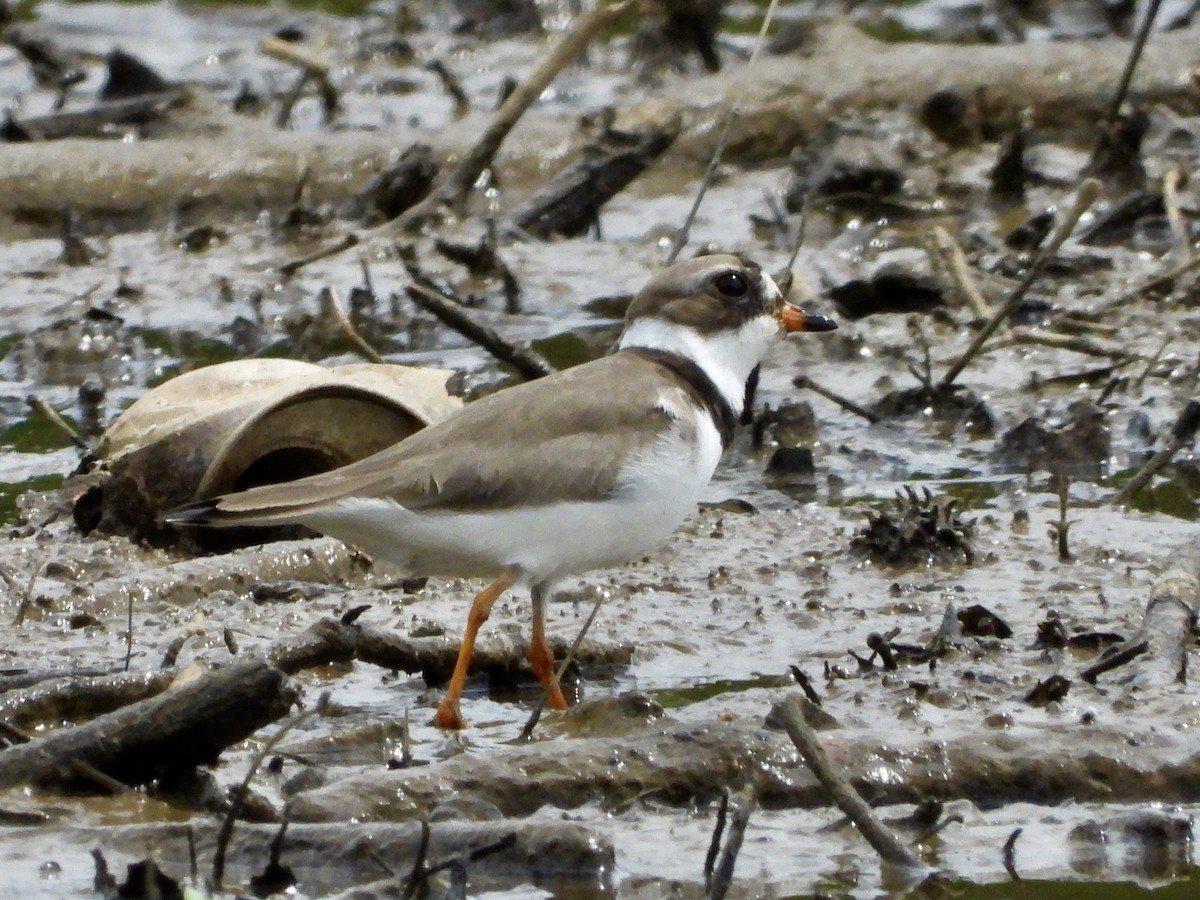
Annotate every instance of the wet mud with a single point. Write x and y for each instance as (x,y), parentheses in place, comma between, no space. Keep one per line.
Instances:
(941,565)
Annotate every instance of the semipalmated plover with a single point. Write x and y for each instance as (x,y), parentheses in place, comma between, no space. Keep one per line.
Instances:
(589,467)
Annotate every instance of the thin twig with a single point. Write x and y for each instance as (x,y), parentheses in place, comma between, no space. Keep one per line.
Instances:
(1182,434)
(1088,191)
(723,876)
(536,715)
(1073,342)
(946,250)
(803,381)
(291,267)
(890,848)
(1135,55)
(527,361)
(51,415)
(1152,284)
(714,845)
(732,94)
(128,629)
(27,595)
(238,796)
(357,341)
(454,184)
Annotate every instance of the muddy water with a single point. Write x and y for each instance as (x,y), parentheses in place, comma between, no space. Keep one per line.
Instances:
(717,618)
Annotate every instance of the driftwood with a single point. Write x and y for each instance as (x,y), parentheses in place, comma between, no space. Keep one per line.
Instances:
(1160,646)
(570,202)
(78,696)
(788,100)
(185,726)
(695,765)
(330,858)
(331,641)
(98,121)
(890,848)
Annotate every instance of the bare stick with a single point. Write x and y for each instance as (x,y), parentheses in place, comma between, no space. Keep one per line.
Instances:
(293,266)
(525,360)
(1088,191)
(454,185)
(1182,434)
(890,848)
(365,350)
(803,381)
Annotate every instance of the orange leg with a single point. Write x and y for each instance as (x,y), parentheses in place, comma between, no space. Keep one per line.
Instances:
(540,656)
(448,715)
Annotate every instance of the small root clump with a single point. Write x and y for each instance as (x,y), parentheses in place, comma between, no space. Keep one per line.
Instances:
(916,531)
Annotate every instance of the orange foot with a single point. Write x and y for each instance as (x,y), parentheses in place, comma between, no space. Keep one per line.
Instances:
(448,716)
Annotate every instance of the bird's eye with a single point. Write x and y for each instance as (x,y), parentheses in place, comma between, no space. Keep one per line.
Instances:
(732,284)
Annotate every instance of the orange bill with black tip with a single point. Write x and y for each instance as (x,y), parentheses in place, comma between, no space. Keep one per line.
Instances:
(793,318)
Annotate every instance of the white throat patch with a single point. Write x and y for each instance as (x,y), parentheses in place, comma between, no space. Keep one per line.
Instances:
(726,357)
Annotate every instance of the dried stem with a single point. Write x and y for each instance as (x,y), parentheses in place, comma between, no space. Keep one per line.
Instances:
(357,341)
(1088,191)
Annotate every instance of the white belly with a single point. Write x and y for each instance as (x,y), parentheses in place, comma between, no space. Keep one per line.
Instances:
(546,542)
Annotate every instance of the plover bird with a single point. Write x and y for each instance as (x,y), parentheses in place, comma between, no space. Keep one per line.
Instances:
(587,468)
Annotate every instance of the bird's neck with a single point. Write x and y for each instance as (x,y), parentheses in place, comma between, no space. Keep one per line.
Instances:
(726,358)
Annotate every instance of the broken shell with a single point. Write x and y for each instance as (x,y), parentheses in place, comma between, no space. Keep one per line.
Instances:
(235,425)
